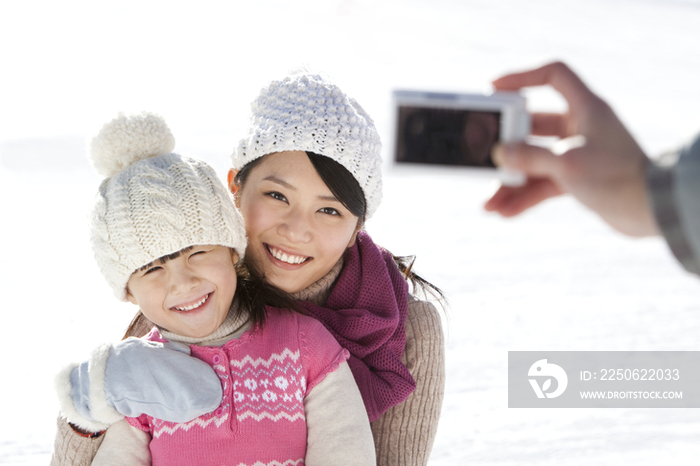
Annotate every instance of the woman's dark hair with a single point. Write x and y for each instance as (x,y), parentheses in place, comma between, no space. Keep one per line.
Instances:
(418,283)
(348,191)
(339,180)
(342,184)
(253,294)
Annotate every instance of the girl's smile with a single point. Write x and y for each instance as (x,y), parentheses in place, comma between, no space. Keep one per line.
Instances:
(189,295)
(196,305)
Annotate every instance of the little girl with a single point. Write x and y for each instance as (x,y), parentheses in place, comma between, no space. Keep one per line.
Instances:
(168,238)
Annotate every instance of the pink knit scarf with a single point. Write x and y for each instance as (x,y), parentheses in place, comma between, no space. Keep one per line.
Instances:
(366,313)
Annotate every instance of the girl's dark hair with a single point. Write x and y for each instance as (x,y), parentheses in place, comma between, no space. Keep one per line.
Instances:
(348,191)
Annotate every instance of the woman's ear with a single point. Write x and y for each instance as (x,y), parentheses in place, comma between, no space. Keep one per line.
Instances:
(354,234)
(232,186)
(230,178)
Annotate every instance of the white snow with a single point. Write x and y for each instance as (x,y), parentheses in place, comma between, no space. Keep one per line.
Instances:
(555,278)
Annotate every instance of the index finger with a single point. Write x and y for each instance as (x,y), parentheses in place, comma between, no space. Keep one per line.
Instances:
(549,124)
(557,74)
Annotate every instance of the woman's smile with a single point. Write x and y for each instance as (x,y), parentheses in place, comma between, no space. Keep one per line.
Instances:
(287,257)
(297,229)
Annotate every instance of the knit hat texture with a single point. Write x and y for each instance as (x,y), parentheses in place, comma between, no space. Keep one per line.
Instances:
(306,112)
(154,202)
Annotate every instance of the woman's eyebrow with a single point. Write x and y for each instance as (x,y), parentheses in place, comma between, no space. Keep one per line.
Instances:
(281,182)
(274,179)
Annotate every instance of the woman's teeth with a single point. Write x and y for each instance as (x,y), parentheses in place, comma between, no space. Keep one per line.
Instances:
(193,306)
(289,259)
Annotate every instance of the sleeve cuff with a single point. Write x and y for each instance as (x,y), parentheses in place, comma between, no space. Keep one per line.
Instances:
(63,387)
(660,180)
(101,411)
(99,407)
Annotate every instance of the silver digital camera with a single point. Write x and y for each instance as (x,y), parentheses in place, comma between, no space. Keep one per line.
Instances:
(458,129)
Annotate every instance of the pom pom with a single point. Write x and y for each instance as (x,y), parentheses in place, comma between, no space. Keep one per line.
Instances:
(128,139)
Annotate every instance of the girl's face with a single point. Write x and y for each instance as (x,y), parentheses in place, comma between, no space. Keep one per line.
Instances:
(189,295)
(297,229)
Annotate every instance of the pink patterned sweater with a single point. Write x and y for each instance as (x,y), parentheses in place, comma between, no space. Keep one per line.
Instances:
(265,375)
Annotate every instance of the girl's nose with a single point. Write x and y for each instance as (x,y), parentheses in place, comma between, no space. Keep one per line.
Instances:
(296,228)
(183,280)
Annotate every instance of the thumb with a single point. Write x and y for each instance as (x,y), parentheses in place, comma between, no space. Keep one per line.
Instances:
(533,161)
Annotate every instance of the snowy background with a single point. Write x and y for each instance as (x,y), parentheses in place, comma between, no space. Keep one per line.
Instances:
(553,279)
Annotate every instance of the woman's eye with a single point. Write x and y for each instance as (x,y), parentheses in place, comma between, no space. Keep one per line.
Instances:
(276,195)
(329,211)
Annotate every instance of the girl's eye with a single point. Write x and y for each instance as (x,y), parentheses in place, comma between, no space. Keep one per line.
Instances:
(199,254)
(276,195)
(329,211)
(152,269)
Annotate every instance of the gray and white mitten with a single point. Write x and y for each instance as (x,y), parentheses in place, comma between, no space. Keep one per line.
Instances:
(135,377)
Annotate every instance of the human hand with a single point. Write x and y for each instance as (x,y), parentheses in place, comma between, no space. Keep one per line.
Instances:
(135,377)
(597,160)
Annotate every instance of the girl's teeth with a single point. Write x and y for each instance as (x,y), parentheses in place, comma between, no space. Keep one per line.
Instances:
(193,306)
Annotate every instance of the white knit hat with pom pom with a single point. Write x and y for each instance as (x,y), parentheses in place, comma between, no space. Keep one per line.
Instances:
(307,112)
(153,202)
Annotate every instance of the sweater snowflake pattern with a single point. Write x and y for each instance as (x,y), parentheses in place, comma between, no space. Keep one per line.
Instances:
(265,375)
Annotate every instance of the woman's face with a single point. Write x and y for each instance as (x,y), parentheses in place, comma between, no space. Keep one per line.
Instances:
(297,229)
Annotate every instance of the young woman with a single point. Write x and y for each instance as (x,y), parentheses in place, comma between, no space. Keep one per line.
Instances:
(306,178)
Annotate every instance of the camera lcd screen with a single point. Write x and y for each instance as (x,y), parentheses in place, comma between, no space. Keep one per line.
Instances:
(446,136)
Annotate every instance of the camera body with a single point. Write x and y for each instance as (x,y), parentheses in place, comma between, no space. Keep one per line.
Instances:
(458,129)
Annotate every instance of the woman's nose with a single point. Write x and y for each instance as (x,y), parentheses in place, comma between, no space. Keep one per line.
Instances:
(296,228)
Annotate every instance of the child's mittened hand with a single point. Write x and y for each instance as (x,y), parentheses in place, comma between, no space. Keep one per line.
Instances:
(135,377)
